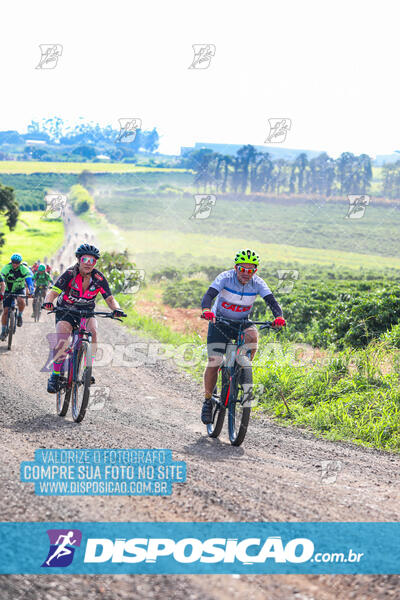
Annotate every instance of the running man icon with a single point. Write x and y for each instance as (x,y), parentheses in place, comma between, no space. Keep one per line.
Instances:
(61,551)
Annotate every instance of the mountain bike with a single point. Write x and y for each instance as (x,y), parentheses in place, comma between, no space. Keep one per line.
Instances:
(11,325)
(234,388)
(76,370)
(37,302)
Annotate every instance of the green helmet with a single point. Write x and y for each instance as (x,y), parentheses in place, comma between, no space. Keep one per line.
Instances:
(41,268)
(247,256)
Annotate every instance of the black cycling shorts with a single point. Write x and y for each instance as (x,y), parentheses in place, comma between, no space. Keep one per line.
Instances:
(67,315)
(8,299)
(219,335)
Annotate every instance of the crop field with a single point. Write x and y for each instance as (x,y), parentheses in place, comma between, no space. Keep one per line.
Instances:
(27,167)
(280,230)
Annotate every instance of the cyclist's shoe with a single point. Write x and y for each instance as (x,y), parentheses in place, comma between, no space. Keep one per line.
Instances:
(206,412)
(3,336)
(19,321)
(53,383)
(92,380)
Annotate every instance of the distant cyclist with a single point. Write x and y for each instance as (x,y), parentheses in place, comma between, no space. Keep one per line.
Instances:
(15,275)
(233,293)
(41,277)
(77,287)
(42,280)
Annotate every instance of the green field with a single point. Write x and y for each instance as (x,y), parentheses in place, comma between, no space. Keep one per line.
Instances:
(33,238)
(281,230)
(151,249)
(27,167)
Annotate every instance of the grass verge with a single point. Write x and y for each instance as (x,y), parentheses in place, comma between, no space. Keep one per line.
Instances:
(347,396)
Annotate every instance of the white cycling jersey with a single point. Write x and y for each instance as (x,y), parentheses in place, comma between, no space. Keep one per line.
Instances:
(235,299)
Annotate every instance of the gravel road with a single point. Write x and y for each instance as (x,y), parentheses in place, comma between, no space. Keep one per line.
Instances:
(275,476)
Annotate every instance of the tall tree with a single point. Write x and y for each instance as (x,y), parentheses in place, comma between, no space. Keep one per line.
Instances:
(8,207)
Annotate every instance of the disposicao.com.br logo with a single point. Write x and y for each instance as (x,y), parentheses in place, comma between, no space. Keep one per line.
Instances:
(189,550)
(144,547)
(62,547)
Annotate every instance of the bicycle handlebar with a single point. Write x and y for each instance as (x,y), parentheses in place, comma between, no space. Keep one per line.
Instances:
(263,324)
(86,313)
(17,295)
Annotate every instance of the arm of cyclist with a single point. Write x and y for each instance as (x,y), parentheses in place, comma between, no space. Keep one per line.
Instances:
(206,303)
(29,283)
(276,310)
(115,307)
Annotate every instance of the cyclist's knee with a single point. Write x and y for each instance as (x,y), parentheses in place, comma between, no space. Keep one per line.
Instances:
(214,362)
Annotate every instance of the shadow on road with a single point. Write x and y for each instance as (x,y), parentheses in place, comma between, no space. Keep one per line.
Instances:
(214,449)
(41,423)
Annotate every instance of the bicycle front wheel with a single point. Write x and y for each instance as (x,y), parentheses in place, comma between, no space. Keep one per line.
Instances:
(218,403)
(240,402)
(81,383)
(64,393)
(11,326)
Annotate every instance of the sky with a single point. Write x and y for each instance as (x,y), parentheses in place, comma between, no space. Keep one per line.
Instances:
(330,67)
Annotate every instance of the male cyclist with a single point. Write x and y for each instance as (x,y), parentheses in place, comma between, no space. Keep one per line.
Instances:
(233,292)
(77,287)
(15,275)
(42,280)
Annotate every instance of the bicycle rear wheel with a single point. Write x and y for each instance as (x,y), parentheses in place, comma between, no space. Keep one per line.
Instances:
(81,383)
(64,393)
(218,402)
(36,309)
(240,402)
(11,326)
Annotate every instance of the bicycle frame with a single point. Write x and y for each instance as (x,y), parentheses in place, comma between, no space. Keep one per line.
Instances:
(233,352)
(13,307)
(79,334)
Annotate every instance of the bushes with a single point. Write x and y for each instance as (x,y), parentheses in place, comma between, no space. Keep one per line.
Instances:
(185,294)
(343,313)
(119,271)
(169,273)
(80,199)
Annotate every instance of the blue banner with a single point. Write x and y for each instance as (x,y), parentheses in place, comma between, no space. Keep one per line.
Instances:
(161,548)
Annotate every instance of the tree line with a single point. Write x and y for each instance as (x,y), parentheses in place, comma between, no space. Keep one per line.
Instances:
(251,171)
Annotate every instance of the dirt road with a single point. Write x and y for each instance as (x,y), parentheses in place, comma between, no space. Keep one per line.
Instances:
(274,476)
(76,232)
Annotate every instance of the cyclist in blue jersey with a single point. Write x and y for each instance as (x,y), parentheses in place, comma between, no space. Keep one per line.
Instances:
(231,296)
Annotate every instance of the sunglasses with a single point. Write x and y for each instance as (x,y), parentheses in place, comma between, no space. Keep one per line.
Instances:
(14,262)
(88,260)
(244,270)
